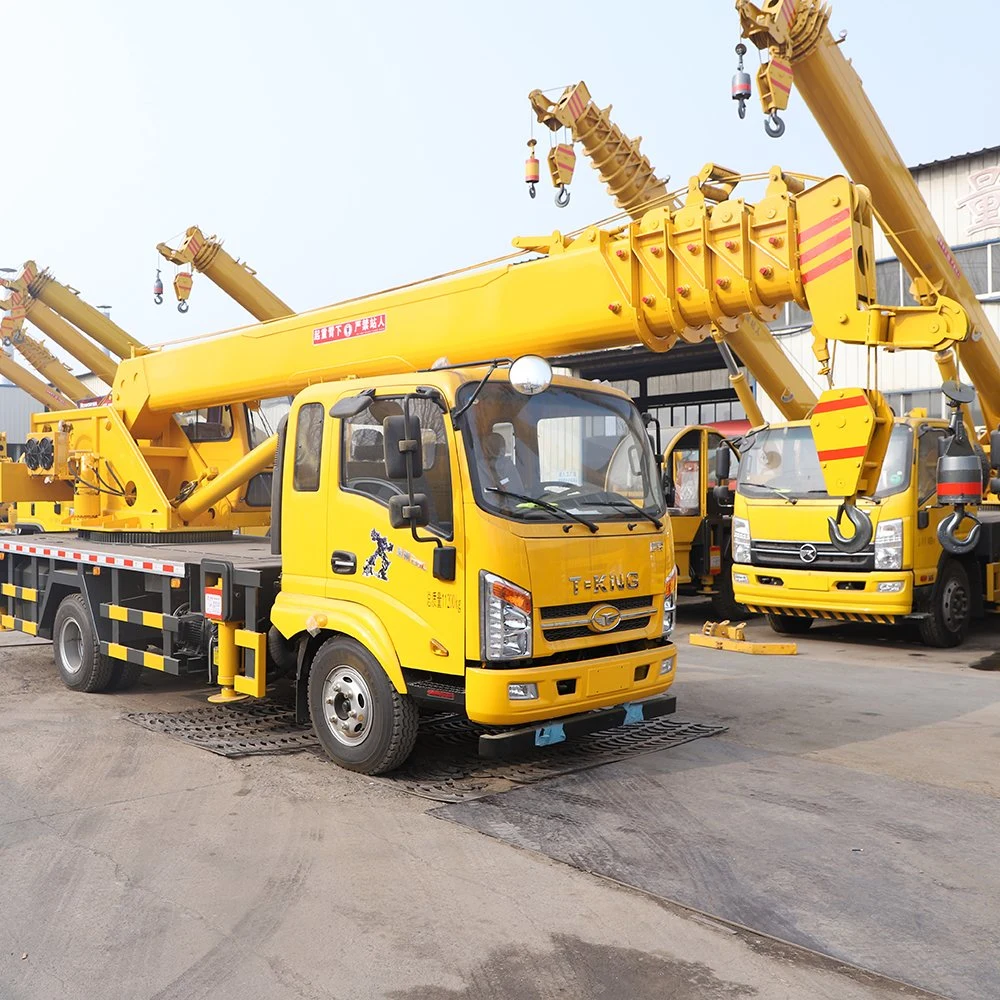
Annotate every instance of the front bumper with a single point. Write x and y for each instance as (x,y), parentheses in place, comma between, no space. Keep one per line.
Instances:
(824,593)
(567,688)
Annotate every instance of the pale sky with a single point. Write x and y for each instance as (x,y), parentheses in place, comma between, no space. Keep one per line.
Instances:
(342,148)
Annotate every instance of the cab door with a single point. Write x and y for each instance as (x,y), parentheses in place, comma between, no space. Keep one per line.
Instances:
(684,464)
(384,568)
(307,481)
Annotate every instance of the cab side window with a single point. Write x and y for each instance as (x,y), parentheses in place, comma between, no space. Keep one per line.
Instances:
(362,466)
(927,458)
(308,448)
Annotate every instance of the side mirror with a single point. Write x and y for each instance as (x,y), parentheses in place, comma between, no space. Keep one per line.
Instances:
(723,495)
(723,464)
(405,512)
(668,488)
(995,450)
(400,441)
(351,406)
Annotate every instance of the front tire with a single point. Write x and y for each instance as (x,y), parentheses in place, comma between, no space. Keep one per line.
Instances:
(789,624)
(77,649)
(724,606)
(951,608)
(362,721)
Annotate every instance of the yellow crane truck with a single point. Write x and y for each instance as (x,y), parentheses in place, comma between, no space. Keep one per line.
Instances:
(448,528)
(790,560)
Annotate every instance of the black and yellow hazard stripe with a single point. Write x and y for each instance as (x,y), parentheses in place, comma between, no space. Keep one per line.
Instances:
(839,616)
(8,623)
(155,661)
(18,593)
(136,616)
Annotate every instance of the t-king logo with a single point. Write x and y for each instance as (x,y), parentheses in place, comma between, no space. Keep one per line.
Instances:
(349,330)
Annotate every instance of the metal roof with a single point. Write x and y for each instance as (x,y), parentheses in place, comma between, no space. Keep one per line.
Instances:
(957,158)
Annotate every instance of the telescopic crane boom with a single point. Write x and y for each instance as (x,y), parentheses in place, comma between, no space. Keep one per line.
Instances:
(803,50)
(40,391)
(636,188)
(236,278)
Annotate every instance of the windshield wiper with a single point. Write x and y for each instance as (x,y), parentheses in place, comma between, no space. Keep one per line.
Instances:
(619,502)
(773,489)
(544,505)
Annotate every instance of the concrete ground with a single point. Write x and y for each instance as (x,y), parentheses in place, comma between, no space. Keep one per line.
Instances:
(852,808)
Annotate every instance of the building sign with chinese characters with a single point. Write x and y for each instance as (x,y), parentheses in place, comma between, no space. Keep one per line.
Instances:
(983,205)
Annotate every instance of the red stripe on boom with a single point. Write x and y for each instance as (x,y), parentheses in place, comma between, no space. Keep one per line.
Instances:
(830,265)
(777,64)
(828,244)
(822,227)
(839,404)
(782,86)
(837,453)
(974,488)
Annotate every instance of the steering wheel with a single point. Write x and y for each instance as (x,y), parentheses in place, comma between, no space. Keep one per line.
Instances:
(558,486)
(378,487)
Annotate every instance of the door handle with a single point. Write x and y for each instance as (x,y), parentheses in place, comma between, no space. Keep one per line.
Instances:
(343,562)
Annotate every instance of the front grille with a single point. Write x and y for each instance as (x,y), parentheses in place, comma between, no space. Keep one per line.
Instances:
(788,555)
(562,622)
(583,607)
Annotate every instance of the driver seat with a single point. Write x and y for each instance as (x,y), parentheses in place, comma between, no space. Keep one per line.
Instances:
(501,468)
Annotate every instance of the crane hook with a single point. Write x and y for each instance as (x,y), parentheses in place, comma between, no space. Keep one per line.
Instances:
(742,84)
(562,196)
(182,306)
(947,532)
(862,529)
(774,126)
(531,190)
(158,289)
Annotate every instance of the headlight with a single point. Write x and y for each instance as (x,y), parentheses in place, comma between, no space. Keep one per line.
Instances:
(505,619)
(741,540)
(889,544)
(670,603)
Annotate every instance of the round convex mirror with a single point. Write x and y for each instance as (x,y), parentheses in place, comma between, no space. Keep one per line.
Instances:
(530,374)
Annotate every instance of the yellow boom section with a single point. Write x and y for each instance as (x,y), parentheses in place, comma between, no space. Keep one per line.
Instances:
(236,278)
(33,386)
(673,274)
(798,31)
(633,183)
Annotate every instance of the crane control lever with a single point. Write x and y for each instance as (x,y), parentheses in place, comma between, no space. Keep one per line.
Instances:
(960,479)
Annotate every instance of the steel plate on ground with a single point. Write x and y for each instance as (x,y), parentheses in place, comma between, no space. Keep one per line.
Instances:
(445,765)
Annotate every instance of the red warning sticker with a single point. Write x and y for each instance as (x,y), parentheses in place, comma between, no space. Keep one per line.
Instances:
(349,330)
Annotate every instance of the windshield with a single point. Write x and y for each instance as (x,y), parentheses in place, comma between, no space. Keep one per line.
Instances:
(584,452)
(783,460)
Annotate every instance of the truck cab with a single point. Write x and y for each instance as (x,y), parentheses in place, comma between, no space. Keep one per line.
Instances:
(517,567)
(786,567)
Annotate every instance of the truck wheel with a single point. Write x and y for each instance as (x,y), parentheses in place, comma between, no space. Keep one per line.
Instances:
(363,722)
(76,648)
(724,605)
(124,676)
(951,608)
(789,624)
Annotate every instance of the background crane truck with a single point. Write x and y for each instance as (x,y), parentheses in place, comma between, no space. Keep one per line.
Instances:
(459,533)
(790,562)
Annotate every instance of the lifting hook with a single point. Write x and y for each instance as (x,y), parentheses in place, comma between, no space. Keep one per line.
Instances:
(862,529)
(742,85)
(562,196)
(947,532)
(774,126)
(158,289)
(182,306)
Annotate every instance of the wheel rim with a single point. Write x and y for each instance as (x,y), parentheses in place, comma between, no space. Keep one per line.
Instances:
(954,605)
(71,646)
(347,706)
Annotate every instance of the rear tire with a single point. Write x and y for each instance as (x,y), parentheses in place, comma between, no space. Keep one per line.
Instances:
(125,676)
(724,606)
(362,721)
(76,648)
(951,608)
(789,624)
